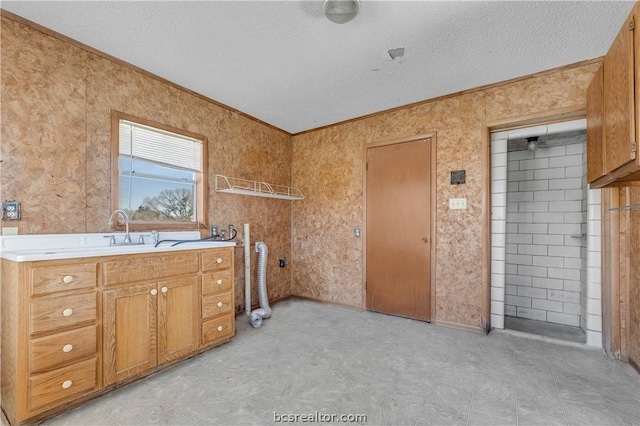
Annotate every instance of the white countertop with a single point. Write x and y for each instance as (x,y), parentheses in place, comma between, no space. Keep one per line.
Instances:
(25,248)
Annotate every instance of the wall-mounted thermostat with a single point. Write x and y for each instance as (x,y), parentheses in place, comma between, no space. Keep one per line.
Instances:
(10,210)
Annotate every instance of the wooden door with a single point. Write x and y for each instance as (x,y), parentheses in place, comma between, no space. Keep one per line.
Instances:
(129,331)
(398,247)
(178,314)
(619,103)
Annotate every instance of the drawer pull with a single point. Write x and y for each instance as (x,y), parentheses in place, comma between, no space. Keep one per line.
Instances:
(219,281)
(67,312)
(154,292)
(67,384)
(219,304)
(67,348)
(165,289)
(67,279)
(219,328)
(219,260)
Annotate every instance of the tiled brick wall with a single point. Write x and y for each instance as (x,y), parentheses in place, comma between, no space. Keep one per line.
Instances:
(591,322)
(546,214)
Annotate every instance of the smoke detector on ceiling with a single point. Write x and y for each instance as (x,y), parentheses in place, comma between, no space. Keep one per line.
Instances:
(341,11)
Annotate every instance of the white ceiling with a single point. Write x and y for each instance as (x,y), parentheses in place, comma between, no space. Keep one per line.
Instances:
(284,63)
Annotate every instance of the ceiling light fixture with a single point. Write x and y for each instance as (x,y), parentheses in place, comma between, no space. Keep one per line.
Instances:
(341,11)
(532,143)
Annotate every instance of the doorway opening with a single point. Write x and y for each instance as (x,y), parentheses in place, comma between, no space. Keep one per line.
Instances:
(545,239)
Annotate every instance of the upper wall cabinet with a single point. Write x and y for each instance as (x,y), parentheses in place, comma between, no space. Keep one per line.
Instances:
(613,124)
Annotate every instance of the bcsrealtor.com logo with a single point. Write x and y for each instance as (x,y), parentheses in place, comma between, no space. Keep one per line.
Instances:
(318,417)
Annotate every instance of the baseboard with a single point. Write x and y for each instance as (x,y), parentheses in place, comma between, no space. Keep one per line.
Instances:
(271,302)
(326,302)
(634,364)
(455,325)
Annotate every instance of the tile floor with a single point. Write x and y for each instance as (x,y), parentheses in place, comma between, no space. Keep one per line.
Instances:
(310,357)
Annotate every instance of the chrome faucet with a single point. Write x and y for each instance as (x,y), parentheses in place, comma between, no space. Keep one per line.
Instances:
(123,214)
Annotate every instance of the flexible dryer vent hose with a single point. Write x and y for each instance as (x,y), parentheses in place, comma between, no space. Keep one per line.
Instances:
(257,315)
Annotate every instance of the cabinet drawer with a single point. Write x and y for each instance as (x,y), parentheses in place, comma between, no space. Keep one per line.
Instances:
(50,279)
(217,329)
(217,260)
(62,384)
(51,351)
(149,268)
(52,313)
(216,304)
(218,282)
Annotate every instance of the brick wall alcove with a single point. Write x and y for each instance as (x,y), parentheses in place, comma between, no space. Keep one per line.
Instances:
(545,258)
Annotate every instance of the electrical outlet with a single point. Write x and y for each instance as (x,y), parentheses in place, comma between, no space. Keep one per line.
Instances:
(10,210)
(457,203)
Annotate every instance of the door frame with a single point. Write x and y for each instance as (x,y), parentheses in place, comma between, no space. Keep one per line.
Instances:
(432,224)
(527,120)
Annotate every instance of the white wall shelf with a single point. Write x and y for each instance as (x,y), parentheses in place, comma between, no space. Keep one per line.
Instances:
(256,188)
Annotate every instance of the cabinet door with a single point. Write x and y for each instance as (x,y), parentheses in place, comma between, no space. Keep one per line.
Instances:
(595,135)
(619,104)
(178,315)
(635,17)
(129,331)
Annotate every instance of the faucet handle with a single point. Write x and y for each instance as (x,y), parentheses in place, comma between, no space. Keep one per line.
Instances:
(112,239)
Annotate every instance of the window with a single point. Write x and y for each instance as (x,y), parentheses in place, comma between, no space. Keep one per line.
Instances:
(159,173)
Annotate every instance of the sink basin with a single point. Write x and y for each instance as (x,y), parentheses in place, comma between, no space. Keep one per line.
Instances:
(70,252)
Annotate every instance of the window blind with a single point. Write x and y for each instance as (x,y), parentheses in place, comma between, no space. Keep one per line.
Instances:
(159,146)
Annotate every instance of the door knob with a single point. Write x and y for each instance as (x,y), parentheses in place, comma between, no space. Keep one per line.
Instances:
(425,240)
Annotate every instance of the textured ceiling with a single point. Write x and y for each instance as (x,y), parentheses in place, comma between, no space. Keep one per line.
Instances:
(284,63)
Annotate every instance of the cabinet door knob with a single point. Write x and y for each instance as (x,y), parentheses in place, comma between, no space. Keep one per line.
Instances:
(67,279)
(154,291)
(66,384)
(67,312)
(165,289)
(219,304)
(67,348)
(219,328)
(219,281)
(219,260)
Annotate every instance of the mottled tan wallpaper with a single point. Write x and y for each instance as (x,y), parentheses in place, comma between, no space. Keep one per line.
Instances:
(327,165)
(56,103)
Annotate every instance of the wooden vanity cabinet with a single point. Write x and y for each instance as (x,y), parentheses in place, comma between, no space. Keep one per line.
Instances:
(74,328)
(50,334)
(154,318)
(613,108)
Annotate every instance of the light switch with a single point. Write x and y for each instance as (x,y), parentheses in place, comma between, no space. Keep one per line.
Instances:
(457,203)
(9,230)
